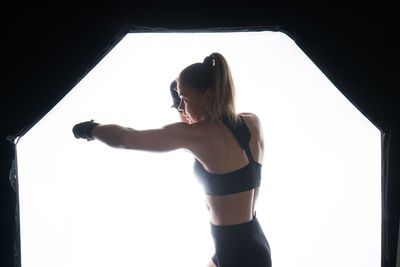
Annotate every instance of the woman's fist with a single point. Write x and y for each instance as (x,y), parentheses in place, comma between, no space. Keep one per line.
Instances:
(84,130)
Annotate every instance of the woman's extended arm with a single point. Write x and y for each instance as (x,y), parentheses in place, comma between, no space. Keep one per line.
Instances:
(110,134)
(170,137)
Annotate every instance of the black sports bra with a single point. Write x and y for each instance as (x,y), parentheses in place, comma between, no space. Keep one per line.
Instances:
(240,180)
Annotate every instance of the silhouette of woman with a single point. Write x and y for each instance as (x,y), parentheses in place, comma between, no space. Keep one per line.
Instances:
(228,151)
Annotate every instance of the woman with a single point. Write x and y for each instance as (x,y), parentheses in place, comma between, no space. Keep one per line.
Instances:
(228,151)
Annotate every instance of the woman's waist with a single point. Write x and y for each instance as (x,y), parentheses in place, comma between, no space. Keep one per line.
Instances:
(229,217)
(231,209)
(241,231)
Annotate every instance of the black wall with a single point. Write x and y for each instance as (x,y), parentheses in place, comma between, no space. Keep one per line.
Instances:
(48,48)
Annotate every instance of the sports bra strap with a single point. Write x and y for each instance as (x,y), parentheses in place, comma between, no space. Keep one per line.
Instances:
(248,153)
(242,135)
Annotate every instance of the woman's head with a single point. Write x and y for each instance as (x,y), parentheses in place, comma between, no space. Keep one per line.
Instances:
(210,87)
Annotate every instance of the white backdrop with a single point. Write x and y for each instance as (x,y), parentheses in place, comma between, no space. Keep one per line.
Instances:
(86,204)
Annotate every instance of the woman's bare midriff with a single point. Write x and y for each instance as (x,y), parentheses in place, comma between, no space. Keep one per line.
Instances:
(232,209)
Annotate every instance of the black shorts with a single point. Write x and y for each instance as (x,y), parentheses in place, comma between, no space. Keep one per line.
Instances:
(240,245)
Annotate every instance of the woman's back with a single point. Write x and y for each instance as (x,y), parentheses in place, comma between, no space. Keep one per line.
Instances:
(218,153)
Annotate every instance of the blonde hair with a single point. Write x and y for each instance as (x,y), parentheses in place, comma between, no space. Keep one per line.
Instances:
(213,74)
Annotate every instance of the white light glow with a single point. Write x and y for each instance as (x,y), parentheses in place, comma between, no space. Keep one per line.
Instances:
(86,204)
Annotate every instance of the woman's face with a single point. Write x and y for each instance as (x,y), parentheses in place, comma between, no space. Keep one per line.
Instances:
(193,104)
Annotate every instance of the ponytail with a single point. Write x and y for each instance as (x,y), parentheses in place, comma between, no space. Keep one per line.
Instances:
(223,100)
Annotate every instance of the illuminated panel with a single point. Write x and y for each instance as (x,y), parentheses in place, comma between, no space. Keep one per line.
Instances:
(86,204)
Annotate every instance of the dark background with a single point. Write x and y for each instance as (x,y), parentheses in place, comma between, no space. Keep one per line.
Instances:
(48,47)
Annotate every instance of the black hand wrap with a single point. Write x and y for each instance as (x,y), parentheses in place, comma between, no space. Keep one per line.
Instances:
(175,97)
(84,130)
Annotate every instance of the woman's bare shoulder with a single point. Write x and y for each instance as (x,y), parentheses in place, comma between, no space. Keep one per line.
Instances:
(250,117)
(248,114)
